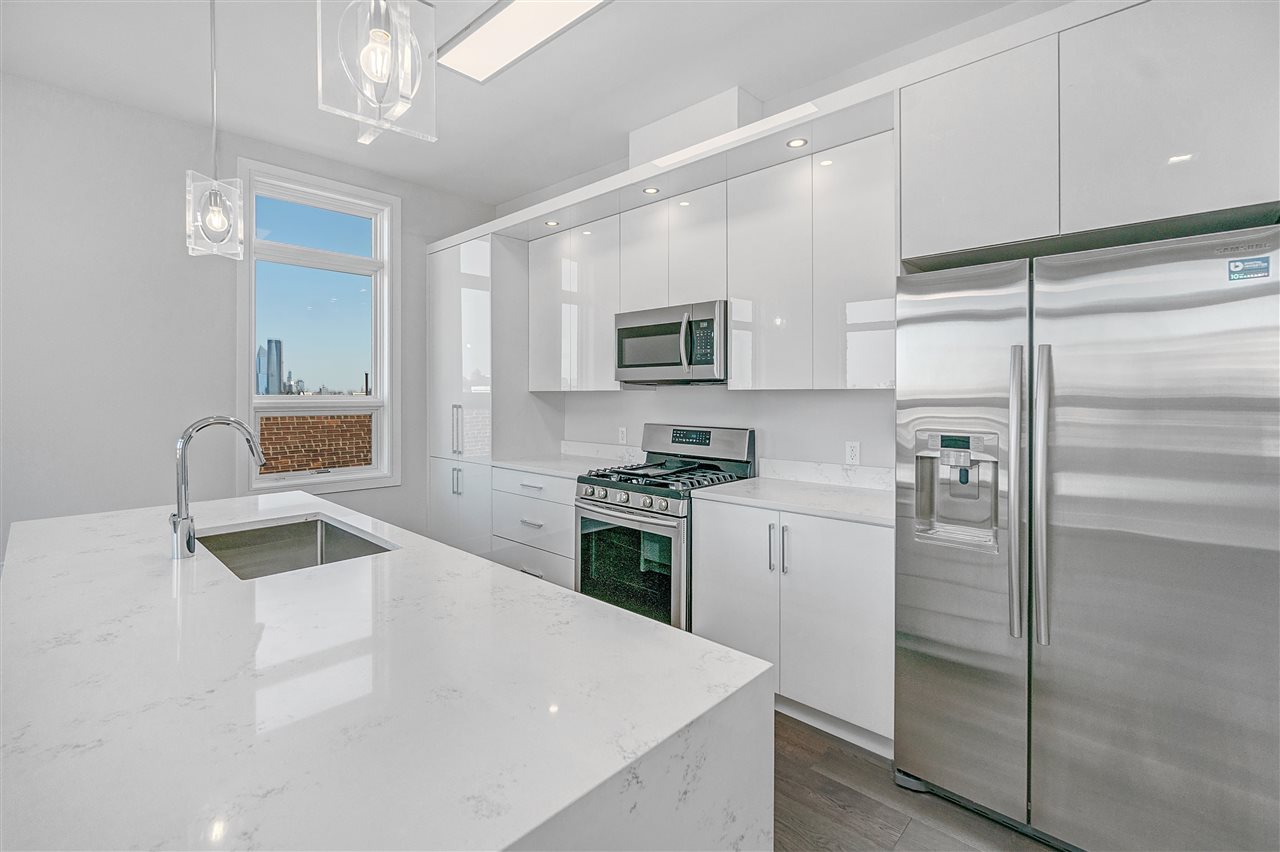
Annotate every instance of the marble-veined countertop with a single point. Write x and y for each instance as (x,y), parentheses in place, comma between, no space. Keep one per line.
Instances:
(839,502)
(421,698)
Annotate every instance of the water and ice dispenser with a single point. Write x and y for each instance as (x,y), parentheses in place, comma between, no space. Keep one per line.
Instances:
(957,488)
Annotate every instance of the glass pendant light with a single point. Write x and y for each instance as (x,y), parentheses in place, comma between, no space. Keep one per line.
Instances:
(215,224)
(376,63)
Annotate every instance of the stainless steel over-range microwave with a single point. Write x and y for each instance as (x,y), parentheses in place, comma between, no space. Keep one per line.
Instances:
(681,344)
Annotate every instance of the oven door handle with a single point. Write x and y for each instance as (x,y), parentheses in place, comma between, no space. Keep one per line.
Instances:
(600,513)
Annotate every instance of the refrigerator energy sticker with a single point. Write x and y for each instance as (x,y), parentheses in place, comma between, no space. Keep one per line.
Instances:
(1248,267)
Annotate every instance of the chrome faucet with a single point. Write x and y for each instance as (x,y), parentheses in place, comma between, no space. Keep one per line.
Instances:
(184,527)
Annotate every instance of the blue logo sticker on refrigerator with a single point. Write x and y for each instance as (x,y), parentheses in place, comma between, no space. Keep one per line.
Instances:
(1248,267)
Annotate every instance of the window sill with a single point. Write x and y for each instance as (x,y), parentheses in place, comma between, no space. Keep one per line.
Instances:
(326,484)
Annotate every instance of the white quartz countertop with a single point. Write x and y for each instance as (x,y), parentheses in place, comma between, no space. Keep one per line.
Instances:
(421,698)
(563,466)
(840,502)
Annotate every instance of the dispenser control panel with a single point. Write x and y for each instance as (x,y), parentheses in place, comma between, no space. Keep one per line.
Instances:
(957,488)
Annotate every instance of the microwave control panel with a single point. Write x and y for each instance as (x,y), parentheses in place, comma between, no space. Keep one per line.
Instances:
(704,342)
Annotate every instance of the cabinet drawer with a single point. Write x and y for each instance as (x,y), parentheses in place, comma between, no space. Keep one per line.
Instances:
(541,523)
(531,560)
(542,487)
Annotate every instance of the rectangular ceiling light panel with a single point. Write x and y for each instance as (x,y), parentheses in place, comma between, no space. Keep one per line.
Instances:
(516,29)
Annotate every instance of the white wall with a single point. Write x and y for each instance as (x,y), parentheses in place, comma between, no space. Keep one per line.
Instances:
(793,424)
(113,339)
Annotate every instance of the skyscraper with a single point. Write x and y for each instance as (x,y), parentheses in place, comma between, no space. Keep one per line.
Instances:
(275,367)
(260,371)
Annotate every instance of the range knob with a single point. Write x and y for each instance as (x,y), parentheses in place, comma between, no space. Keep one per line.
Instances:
(623,498)
(588,490)
(662,505)
(603,493)
(646,502)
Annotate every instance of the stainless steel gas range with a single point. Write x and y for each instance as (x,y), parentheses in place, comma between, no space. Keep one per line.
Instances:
(633,522)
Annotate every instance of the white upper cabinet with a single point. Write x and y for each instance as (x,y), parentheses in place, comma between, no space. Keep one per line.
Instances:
(573,297)
(1168,109)
(697,250)
(980,153)
(644,257)
(771,277)
(854,264)
(552,313)
(461,375)
(594,299)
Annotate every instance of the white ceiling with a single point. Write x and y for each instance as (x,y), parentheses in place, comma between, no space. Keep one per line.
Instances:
(561,111)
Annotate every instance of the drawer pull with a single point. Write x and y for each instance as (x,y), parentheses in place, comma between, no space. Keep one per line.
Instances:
(537,525)
(537,574)
(530,485)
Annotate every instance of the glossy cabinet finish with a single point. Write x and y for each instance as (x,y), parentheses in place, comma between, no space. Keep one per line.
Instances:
(594,300)
(854,264)
(532,561)
(554,488)
(537,523)
(573,297)
(979,154)
(735,591)
(644,257)
(459,504)
(1168,109)
(459,363)
(770,239)
(553,317)
(838,619)
(697,246)
(812,595)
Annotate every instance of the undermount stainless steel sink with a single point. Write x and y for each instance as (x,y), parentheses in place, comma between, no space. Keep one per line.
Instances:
(287,546)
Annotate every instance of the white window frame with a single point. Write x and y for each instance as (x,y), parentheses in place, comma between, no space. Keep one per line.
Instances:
(384,270)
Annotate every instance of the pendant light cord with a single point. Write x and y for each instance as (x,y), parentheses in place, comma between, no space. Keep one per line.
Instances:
(213,84)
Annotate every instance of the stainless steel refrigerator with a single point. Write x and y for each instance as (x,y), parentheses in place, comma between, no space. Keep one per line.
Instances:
(1088,541)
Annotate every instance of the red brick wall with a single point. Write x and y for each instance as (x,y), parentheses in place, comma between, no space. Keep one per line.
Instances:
(316,442)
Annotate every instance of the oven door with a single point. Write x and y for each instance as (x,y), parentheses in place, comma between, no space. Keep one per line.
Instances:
(681,344)
(638,562)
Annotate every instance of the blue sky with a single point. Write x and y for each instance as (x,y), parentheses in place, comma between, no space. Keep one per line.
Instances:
(325,319)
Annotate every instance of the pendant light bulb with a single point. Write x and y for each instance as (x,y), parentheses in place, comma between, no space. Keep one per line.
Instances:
(215,220)
(375,56)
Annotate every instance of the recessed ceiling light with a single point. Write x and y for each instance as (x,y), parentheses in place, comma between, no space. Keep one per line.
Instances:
(498,38)
(650,190)
(825,163)
(551,223)
(797,142)
(586,233)
(684,204)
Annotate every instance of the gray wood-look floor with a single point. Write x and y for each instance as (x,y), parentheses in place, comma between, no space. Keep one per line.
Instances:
(829,794)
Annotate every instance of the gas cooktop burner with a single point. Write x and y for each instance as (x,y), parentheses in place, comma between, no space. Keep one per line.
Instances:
(678,459)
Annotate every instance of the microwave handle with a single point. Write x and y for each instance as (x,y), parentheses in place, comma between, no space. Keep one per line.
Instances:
(684,335)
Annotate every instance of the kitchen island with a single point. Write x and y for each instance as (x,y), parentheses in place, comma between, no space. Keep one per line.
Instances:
(418,698)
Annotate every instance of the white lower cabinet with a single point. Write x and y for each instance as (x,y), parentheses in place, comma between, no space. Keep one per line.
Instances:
(538,523)
(541,564)
(459,507)
(812,595)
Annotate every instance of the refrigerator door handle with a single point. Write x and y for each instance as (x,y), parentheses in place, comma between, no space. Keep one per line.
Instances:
(1040,475)
(1015,491)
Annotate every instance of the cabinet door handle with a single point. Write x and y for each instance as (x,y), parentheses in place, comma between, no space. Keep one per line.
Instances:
(457,430)
(537,525)
(772,566)
(782,549)
(453,429)
(524,570)
(530,485)
(459,481)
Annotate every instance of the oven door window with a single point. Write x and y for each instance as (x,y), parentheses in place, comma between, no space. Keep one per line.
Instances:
(655,345)
(638,569)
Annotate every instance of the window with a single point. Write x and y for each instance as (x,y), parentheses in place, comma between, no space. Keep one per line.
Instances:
(319,293)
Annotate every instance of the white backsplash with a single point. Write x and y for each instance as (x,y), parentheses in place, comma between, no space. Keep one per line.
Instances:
(823,473)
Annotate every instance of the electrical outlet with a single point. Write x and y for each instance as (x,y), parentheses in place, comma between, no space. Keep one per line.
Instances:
(622,434)
(852,452)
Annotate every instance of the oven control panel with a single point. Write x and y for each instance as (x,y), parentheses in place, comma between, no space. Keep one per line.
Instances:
(633,502)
